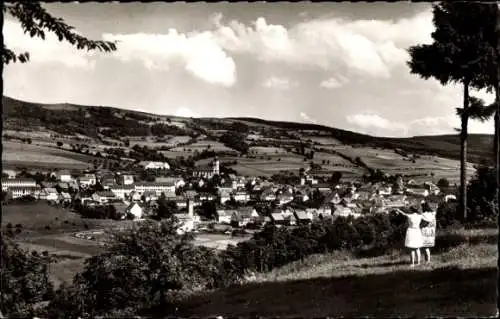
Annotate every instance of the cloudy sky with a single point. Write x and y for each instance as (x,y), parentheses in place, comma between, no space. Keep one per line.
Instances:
(338,64)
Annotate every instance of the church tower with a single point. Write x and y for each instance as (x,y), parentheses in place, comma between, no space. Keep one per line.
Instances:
(216,166)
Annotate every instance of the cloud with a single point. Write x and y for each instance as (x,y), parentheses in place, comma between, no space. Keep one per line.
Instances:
(186,112)
(378,125)
(278,83)
(368,122)
(334,82)
(197,52)
(306,118)
(50,50)
(366,47)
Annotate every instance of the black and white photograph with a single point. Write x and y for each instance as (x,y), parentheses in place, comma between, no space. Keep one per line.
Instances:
(250,159)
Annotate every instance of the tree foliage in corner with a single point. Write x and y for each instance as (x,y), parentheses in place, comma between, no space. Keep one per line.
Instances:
(24,280)
(36,21)
(463,51)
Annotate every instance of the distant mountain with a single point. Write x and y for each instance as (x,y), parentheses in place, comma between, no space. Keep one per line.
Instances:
(89,120)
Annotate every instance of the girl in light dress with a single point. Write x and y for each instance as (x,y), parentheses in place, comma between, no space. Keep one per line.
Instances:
(414,239)
(429,231)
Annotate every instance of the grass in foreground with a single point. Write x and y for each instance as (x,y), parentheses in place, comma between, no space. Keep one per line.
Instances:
(459,282)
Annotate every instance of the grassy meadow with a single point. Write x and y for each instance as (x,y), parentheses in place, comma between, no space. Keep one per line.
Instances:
(460,281)
(16,154)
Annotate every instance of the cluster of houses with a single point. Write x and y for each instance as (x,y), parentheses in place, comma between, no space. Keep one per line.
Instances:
(239,200)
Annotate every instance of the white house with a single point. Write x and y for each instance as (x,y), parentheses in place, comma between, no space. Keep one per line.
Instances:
(135,210)
(154,165)
(285,198)
(224,215)
(20,191)
(10,173)
(49,193)
(241,196)
(122,191)
(224,197)
(64,176)
(127,179)
(167,188)
(87,180)
(303,216)
(244,215)
(345,211)
(387,190)
(323,211)
(268,195)
(17,182)
(418,191)
(103,197)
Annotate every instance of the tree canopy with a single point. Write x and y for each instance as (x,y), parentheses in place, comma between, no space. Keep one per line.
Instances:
(463,48)
(36,21)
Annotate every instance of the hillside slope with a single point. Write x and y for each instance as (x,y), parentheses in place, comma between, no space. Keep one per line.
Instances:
(337,285)
(480,146)
(89,120)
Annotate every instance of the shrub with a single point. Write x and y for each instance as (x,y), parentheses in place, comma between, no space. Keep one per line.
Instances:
(47,227)
(443,183)
(160,265)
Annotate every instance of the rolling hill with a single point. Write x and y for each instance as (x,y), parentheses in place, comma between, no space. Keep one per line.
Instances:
(274,144)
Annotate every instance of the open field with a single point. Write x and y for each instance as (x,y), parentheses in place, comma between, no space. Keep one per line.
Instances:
(393,163)
(335,160)
(36,216)
(20,154)
(202,145)
(258,150)
(459,282)
(323,140)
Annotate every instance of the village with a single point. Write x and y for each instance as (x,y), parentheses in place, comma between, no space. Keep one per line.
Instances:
(205,197)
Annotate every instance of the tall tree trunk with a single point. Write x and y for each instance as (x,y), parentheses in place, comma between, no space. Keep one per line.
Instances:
(463,153)
(497,113)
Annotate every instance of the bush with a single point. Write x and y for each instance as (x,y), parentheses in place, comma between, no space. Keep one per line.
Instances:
(443,183)
(447,215)
(160,265)
(47,227)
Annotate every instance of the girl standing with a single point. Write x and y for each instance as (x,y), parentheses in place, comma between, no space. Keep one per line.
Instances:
(429,230)
(414,238)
